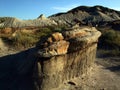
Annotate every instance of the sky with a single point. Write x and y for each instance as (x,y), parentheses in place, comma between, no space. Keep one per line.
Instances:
(31,9)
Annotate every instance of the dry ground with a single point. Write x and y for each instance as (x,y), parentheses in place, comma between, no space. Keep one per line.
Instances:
(105,75)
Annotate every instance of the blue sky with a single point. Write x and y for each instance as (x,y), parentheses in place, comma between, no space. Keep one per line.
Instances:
(31,9)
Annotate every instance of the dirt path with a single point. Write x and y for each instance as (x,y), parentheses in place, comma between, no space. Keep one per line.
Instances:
(104,77)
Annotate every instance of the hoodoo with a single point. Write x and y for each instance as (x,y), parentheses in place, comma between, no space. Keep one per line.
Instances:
(65,55)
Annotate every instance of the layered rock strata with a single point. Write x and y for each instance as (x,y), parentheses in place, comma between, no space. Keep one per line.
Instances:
(11,22)
(95,15)
(65,56)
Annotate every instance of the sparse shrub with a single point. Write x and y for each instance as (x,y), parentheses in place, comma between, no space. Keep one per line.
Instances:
(44,31)
(109,42)
(110,39)
(25,39)
(108,53)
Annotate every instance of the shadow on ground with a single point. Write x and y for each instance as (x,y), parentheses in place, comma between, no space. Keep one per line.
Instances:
(110,63)
(114,68)
(16,71)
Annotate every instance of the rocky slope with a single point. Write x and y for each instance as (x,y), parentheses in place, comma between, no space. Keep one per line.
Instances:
(115,25)
(17,23)
(84,14)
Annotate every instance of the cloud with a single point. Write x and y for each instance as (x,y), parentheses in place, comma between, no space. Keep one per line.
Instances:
(116,8)
(65,8)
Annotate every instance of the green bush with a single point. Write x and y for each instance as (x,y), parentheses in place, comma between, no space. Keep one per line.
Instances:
(110,39)
(109,43)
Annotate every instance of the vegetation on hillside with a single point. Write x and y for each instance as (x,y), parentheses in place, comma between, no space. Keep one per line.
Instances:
(109,42)
(27,38)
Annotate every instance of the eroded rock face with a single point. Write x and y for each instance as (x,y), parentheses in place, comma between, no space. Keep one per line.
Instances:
(9,22)
(53,45)
(64,56)
(67,41)
(56,48)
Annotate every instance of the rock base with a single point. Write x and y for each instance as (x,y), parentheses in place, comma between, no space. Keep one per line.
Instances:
(52,72)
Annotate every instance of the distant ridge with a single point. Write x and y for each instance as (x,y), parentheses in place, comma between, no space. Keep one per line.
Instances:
(14,22)
(95,14)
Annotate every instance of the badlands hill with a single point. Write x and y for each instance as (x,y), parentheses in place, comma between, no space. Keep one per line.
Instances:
(85,14)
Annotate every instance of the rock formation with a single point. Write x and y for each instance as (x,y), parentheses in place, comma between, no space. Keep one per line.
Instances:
(65,55)
(42,17)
